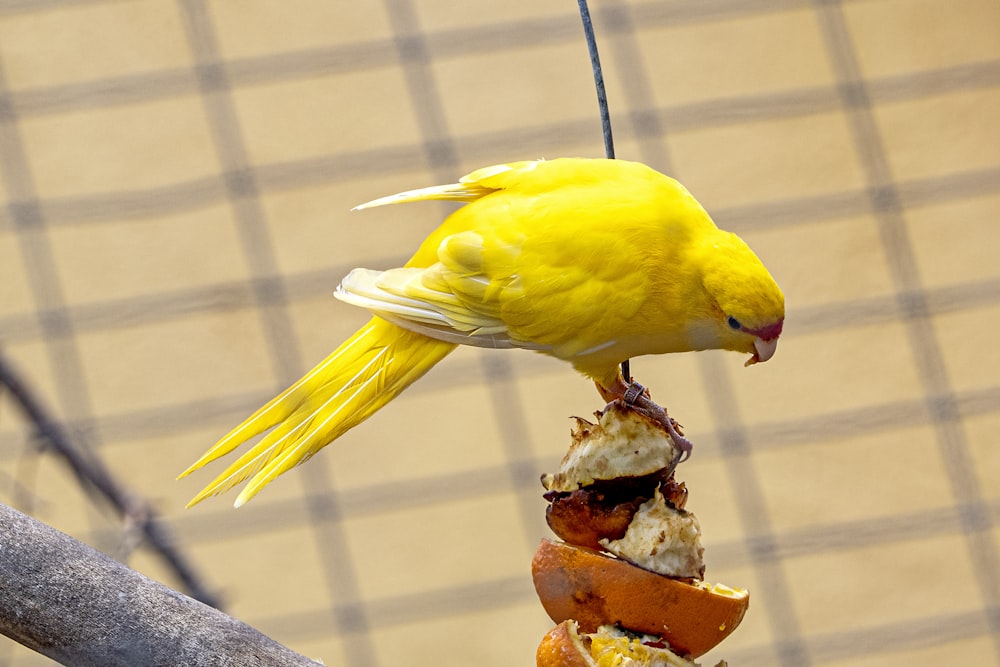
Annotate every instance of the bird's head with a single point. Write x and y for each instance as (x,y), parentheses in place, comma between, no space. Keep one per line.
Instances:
(748,307)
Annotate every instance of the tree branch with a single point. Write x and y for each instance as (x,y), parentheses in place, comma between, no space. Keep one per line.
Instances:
(77,606)
(93,474)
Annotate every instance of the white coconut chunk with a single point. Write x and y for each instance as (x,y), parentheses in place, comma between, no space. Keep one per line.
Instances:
(662,539)
(622,443)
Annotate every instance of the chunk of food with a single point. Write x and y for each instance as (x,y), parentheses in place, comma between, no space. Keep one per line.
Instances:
(663,539)
(596,589)
(623,443)
(565,646)
(632,559)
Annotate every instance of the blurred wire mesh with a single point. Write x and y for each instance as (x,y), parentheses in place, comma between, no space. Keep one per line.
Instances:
(177,178)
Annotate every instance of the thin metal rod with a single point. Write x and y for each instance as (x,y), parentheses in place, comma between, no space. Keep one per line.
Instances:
(595,64)
(602,103)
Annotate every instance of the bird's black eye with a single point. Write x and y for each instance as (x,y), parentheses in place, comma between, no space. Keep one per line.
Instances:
(734,323)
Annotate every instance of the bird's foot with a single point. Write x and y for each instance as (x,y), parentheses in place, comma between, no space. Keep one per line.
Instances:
(636,397)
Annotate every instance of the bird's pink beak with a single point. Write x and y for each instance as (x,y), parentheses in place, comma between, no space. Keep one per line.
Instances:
(763,350)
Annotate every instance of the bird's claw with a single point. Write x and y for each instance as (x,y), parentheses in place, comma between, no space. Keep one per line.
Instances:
(633,392)
(637,397)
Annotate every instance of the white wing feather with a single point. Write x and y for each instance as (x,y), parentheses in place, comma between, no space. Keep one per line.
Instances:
(439,315)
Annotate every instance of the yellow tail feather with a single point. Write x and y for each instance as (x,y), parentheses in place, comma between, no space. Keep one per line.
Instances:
(350,385)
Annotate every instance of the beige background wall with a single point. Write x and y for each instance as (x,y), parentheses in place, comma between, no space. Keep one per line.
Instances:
(176,179)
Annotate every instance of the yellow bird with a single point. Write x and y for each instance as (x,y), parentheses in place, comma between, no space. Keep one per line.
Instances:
(591,261)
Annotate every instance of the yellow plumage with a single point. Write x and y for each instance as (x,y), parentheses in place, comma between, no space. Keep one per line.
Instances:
(590,261)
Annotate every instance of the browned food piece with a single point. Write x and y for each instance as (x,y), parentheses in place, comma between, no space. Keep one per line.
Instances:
(582,518)
(604,510)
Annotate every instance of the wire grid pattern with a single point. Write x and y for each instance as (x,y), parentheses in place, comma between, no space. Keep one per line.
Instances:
(175,219)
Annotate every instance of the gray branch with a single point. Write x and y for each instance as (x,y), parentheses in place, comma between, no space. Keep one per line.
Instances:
(94,475)
(72,603)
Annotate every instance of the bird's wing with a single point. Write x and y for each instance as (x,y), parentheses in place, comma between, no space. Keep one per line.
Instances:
(480,293)
(460,306)
(407,298)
